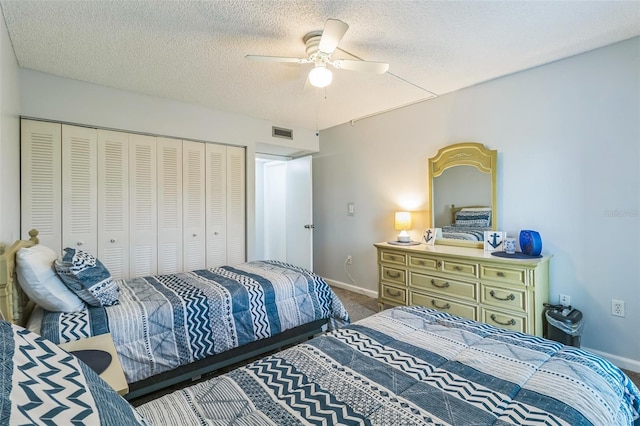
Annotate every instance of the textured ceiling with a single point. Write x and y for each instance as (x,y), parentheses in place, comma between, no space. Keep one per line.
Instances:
(194,51)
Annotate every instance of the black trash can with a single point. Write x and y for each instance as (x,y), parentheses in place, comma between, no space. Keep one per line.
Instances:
(564,324)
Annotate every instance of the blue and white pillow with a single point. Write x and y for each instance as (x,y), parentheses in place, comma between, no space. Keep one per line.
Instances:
(474,217)
(87,277)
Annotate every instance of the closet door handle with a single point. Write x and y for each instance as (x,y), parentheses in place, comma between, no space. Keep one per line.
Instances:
(443,285)
(444,307)
(495,319)
(195,235)
(509,297)
(79,243)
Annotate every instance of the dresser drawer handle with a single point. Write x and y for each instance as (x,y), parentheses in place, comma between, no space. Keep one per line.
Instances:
(457,268)
(445,306)
(421,262)
(393,293)
(443,285)
(500,274)
(509,297)
(439,264)
(390,275)
(510,322)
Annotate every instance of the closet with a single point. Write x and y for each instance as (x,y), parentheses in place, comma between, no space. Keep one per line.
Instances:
(143,204)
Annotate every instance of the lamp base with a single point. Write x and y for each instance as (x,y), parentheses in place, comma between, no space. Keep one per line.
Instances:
(409,243)
(404,238)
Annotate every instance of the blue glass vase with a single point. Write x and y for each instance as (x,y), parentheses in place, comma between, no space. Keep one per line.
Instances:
(530,242)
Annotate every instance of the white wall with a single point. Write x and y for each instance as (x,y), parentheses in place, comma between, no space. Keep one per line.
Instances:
(568,141)
(9,131)
(50,97)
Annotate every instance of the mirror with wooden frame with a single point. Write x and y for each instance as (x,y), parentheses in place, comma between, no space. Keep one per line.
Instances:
(463,193)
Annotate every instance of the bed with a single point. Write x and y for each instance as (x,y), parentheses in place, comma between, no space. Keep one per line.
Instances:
(169,328)
(468,223)
(412,365)
(402,366)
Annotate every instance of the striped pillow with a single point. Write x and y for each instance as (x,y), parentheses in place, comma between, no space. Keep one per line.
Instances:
(87,277)
(475,218)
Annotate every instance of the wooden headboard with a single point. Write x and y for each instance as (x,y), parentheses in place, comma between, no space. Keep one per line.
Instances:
(14,303)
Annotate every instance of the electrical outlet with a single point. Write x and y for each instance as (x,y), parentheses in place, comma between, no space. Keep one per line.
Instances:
(617,307)
(349,260)
(565,300)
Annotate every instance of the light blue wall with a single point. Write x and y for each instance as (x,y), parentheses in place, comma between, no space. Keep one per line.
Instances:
(568,141)
(9,131)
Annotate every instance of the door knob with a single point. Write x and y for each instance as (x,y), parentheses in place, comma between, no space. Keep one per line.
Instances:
(309,226)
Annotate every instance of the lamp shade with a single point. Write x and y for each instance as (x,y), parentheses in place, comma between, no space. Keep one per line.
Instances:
(403,221)
(320,76)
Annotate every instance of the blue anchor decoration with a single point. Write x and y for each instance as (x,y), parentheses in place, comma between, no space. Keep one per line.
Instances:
(495,242)
(428,237)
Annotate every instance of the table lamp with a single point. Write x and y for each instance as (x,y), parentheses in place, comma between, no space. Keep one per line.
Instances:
(403,224)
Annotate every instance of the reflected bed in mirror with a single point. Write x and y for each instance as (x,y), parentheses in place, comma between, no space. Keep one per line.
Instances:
(462,183)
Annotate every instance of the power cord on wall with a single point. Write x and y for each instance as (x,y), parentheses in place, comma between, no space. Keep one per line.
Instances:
(348,261)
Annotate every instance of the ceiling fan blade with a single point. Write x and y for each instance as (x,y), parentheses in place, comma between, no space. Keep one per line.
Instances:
(363,66)
(277,59)
(333,32)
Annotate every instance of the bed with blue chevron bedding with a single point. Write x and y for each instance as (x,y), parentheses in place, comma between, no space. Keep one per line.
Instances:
(166,321)
(43,385)
(411,366)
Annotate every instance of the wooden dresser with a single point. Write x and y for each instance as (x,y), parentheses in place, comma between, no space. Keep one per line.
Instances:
(469,282)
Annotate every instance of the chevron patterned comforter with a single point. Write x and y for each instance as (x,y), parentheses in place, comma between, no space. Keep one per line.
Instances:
(44,385)
(411,366)
(165,321)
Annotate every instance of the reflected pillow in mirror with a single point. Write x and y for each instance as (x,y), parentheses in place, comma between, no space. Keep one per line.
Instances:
(472,217)
(37,278)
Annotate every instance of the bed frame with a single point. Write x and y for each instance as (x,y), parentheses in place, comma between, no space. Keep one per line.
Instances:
(16,307)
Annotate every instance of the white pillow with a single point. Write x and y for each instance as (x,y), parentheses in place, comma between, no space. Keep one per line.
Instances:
(40,282)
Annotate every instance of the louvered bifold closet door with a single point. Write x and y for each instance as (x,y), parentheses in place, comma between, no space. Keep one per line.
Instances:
(79,188)
(41,190)
(193,203)
(169,206)
(216,187)
(113,202)
(143,204)
(236,207)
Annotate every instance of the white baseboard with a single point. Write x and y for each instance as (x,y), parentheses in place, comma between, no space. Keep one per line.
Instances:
(353,288)
(618,361)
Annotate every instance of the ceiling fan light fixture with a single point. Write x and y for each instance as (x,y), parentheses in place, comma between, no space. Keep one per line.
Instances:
(320,76)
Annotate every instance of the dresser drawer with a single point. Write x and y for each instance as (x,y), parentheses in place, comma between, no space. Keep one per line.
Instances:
(398,295)
(503,297)
(445,286)
(442,304)
(505,275)
(504,320)
(462,269)
(423,262)
(393,257)
(398,276)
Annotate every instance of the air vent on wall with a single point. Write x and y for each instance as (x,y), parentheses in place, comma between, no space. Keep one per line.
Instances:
(279,132)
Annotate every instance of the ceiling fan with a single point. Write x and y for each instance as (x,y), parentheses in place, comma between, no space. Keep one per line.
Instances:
(320,46)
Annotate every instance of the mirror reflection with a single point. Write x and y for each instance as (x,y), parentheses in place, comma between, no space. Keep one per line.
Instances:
(462,180)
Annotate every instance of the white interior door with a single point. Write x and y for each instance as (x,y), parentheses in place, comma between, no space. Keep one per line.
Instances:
(299,205)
